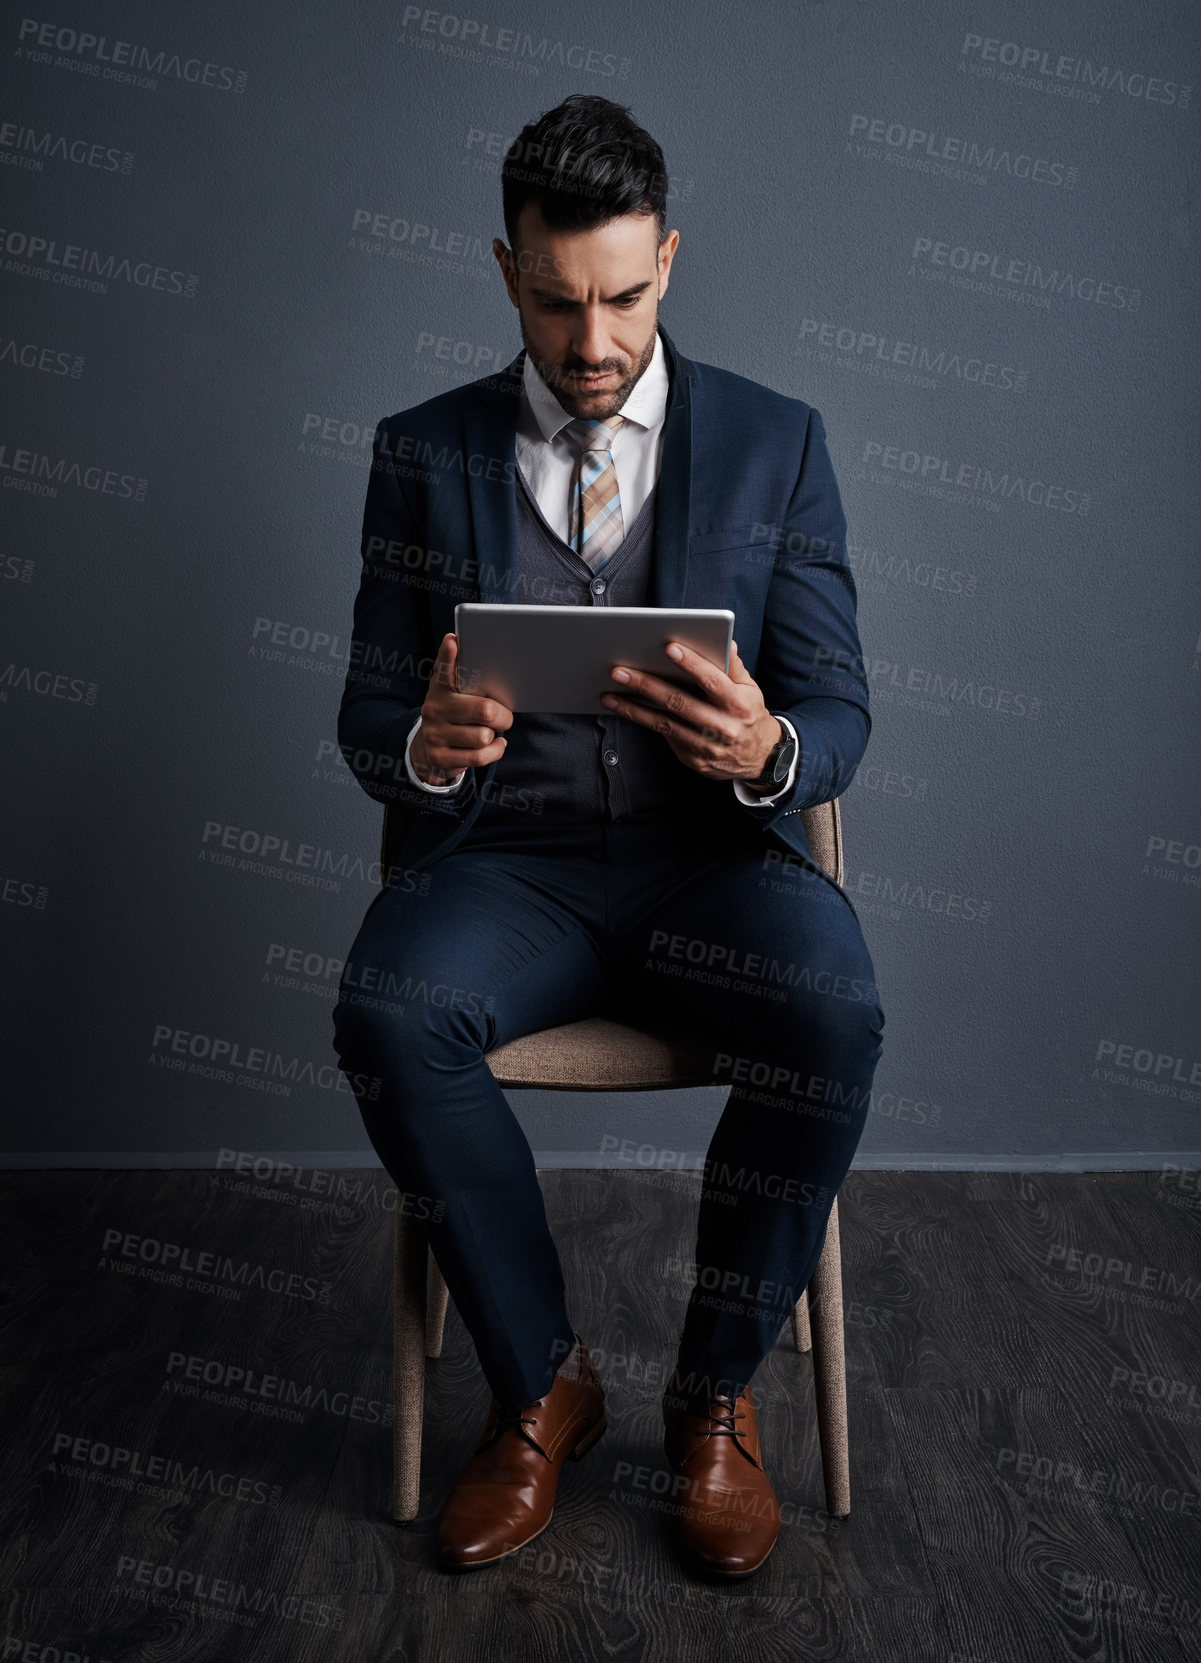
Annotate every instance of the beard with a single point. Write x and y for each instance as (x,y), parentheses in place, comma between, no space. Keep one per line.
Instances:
(596,406)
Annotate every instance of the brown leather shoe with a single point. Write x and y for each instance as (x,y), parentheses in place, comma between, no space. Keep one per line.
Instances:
(506,1493)
(728,1517)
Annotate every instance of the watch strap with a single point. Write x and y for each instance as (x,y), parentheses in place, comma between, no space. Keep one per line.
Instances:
(785,742)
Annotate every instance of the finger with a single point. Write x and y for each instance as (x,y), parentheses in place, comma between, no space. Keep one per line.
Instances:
(456,738)
(446,662)
(469,736)
(448,760)
(680,702)
(738,670)
(476,710)
(677,703)
(711,677)
(707,740)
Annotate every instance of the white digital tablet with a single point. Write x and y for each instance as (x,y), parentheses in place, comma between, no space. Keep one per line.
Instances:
(558,658)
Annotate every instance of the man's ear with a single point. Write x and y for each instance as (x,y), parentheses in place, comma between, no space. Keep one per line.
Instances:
(663,259)
(508,267)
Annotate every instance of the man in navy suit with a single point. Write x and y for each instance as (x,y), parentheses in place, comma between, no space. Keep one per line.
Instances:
(650,860)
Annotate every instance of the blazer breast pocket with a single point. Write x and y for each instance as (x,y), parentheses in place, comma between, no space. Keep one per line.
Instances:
(732,566)
(744,536)
(737,561)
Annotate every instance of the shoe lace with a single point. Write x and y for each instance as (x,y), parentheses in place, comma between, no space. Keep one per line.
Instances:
(722,1413)
(512,1417)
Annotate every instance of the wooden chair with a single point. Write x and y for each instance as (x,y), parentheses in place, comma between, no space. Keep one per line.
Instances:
(598,1054)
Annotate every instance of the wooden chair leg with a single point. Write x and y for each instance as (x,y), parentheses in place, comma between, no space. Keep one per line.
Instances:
(436,1296)
(409,1331)
(830,1370)
(801,1337)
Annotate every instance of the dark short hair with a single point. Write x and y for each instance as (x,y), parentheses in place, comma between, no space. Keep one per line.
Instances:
(585,162)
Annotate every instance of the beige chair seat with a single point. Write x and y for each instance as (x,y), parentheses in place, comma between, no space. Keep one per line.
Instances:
(599,1054)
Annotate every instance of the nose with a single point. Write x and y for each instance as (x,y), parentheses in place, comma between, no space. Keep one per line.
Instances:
(591,342)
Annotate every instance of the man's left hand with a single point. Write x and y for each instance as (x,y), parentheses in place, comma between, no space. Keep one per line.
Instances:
(725,735)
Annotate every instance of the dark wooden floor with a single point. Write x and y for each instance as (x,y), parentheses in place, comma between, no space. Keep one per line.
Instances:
(1010,1501)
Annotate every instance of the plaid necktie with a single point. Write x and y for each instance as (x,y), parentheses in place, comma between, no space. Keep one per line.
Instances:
(596,522)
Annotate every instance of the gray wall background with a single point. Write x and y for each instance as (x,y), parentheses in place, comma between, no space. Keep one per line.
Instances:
(294,207)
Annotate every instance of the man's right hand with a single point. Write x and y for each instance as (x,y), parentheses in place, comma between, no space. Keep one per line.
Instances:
(458,730)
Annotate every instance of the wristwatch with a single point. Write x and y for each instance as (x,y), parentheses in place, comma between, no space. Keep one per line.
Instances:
(779,761)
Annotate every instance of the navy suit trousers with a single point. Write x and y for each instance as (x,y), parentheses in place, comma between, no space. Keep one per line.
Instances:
(528,923)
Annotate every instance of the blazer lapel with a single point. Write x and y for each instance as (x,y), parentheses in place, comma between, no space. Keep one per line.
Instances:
(669,573)
(490,444)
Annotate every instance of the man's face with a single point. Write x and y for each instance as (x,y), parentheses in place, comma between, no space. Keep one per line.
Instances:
(589,304)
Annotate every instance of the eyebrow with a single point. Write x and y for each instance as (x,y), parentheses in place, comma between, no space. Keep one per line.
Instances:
(553,294)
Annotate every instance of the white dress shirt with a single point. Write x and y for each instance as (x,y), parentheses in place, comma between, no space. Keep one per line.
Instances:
(546,456)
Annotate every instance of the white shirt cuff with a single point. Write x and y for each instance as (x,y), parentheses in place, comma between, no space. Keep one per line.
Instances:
(437,790)
(750,798)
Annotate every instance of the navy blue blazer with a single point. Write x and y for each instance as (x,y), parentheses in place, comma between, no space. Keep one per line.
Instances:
(747,516)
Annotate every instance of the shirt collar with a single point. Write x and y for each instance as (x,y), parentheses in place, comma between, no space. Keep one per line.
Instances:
(645,406)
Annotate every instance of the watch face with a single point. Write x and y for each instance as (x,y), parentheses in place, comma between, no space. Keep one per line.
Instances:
(784,759)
